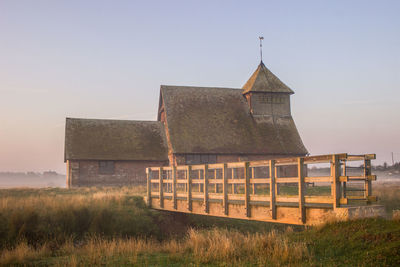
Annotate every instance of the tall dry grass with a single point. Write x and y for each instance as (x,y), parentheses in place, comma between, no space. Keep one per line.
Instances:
(216,246)
(55,215)
(97,226)
(388,195)
(12,199)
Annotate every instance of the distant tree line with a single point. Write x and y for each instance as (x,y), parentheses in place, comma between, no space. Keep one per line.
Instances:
(29,174)
(386,167)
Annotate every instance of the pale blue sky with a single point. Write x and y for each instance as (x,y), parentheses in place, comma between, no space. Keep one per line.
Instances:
(107,59)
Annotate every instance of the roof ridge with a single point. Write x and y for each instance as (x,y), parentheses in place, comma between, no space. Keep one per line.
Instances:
(199,87)
(117,120)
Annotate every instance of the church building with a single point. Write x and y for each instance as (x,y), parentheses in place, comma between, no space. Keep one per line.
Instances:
(195,125)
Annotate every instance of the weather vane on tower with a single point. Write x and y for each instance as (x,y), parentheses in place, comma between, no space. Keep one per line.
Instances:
(261,38)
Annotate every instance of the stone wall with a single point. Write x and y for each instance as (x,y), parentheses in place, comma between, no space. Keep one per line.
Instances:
(86,173)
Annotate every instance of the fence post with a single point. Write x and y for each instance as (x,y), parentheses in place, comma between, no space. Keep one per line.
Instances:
(272,189)
(215,179)
(161,186)
(253,177)
(247,188)
(148,173)
(300,173)
(368,183)
(174,186)
(344,173)
(335,174)
(206,204)
(189,187)
(225,189)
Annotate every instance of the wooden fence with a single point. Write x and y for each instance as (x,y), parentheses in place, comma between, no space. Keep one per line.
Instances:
(256,189)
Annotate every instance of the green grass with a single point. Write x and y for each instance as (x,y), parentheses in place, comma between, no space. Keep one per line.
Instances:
(112,226)
(366,242)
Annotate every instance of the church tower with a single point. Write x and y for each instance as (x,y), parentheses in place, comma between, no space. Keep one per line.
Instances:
(266,94)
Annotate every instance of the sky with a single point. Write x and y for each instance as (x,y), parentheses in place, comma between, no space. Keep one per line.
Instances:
(107,60)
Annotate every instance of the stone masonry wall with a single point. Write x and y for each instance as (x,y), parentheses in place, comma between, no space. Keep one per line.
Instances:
(86,173)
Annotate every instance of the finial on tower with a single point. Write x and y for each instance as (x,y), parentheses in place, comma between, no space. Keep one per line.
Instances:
(261,38)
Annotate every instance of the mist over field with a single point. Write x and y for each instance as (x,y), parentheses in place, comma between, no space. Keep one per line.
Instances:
(32,179)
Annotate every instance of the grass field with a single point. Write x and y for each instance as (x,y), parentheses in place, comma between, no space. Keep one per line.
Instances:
(112,226)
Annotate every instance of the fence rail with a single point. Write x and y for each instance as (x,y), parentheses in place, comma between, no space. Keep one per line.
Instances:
(260,185)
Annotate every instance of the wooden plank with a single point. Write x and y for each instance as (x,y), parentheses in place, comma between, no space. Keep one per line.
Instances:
(205,178)
(174,187)
(181,168)
(260,198)
(215,181)
(260,181)
(320,179)
(181,195)
(318,199)
(355,157)
(361,198)
(361,157)
(247,189)
(212,196)
(291,180)
(236,197)
(323,158)
(236,165)
(215,166)
(317,159)
(197,167)
(344,201)
(292,199)
(285,161)
(181,181)
(335,173)
(189,187)
(198,195)
(370,156)
(260,163)
(225,189)
(236,181)
(300,173)
(359,178)
(148,174)
(272,189)
(161,187)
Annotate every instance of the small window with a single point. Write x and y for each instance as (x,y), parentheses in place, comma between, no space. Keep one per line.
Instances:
(106,167)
